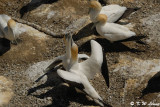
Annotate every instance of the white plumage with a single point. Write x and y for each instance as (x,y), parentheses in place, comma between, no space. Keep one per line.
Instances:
(112,31)
(113,12)
(92,65)
(81,72)
(66,58)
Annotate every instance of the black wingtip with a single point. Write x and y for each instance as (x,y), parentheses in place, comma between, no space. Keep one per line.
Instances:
(128,12)
(137,8)
(104,69)
(138,37)
(134,38)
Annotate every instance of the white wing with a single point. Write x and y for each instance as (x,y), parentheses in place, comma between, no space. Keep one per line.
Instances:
(113,12)
(114,32)
(81,79)
(111,7)
(83,56)
(92,65)
(69,76)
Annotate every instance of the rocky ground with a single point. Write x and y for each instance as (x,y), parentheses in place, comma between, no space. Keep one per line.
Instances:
(133,65)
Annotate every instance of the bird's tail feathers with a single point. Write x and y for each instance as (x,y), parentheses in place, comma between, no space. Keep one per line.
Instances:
(128,12)
(134,38)
(100,102)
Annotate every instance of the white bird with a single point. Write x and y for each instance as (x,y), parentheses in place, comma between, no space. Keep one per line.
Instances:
(112,31)
(114,12)
(80,73)
(66,58)
(8,28)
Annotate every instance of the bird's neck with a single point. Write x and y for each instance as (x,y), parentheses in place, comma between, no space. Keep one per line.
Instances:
(74,64)
(102,23)
(11,34)
(74,56)
(74,59)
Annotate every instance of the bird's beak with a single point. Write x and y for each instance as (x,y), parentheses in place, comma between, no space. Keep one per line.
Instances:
(69,38)
(65,39)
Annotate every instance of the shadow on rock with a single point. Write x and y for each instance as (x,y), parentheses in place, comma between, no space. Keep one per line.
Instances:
(52,80)
(33,5)
(135,38)
(84,32)
(108,46)
(153,85)
(103,2)
(4,46)
(61,94)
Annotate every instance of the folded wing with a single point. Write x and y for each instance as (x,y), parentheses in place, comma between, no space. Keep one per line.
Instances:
(115,32)
(113,12)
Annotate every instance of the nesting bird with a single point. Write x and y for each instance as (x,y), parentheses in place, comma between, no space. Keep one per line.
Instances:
(113,12)
(66,58)
(112,31)
(8,28)
(80,73)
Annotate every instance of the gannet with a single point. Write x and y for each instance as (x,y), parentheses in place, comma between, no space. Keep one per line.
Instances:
(80,73)
(66,58)
(8,28)
(113,11)
(112,31)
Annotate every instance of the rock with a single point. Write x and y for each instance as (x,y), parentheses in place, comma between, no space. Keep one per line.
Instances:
(151,24)
(138,73)
(35,72)
(55,16)
(6,92)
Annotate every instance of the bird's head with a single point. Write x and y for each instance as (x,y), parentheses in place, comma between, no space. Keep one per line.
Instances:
(12,35)
(94,4)
(67,39)
(74,51)
(101,18)
(11,24)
